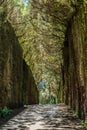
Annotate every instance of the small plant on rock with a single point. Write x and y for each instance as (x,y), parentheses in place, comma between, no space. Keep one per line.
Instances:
(85,124)
(5,111)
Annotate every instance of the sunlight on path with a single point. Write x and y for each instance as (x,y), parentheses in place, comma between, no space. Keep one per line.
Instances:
(44,117)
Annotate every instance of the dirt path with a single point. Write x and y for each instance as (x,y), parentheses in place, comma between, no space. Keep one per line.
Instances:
(44,117)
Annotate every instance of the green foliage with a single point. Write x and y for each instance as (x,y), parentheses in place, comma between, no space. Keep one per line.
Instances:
(5,111)
(41,33)
(85,1)
(85,124)
(52,100)
(81,1)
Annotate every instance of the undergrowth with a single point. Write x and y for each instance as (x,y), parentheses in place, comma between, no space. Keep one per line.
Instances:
(5,111)
(85,124)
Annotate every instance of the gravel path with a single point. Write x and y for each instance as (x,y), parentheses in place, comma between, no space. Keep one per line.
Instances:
(44,117)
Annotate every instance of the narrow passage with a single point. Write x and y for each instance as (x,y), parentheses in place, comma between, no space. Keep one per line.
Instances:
(44,117)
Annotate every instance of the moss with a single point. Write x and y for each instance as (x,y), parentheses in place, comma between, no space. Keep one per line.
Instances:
(75,62)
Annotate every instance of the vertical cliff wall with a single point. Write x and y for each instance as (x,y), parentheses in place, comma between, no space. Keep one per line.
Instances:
(30,91)
(16,80)
(75,62)
(11,72)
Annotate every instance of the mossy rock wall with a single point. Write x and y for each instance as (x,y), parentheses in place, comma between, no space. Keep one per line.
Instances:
(75,62)
(30,91)
(33,97)
(11,65)
(17,85)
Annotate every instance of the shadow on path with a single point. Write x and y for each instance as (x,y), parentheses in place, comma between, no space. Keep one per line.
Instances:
(44,117)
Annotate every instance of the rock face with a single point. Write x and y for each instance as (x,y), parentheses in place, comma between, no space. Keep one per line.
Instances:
(12,70)
(30,92)
(75,62)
